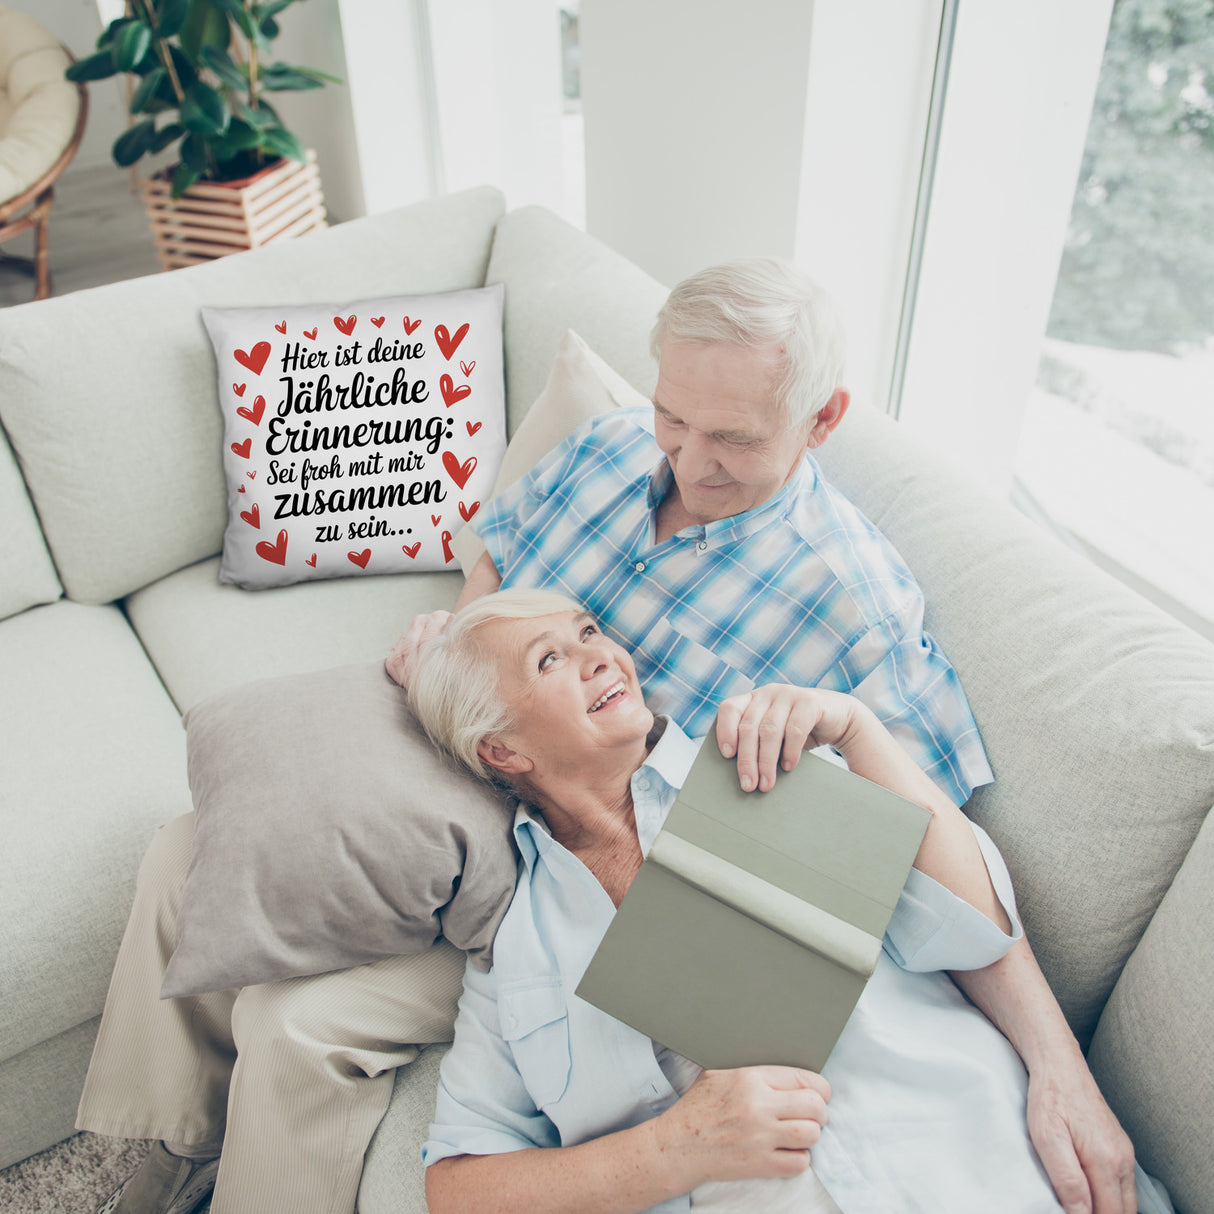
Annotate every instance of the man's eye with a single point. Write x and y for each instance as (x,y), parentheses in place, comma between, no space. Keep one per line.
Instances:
(590,630)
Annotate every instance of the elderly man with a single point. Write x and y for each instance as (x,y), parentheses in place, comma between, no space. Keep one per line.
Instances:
(704,538)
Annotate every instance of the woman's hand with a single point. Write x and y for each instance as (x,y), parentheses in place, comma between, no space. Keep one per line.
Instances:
(750,1122)
(401,661)
(772,725)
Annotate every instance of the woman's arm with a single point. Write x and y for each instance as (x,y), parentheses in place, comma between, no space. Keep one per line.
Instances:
(730,1125)
(769,727)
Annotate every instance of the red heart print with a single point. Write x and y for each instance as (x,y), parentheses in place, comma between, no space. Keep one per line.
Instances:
(242,449)
(411,550)
(240,489)
(276,552)
(458,472)
(251,475)
(467,368)
(452,394)
(253,414)
(448,555)
(310,334)
(473,427)
(311,560)
(347,325)
(360,558)
(446,343)
(238,389)
(378,321)
(436,519)
(411,328)
(468,511)
(255,359)
(281,326)
(252,517)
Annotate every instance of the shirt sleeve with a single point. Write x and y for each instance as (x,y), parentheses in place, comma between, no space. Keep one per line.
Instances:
(483,1107)
(906,679)
(933,929)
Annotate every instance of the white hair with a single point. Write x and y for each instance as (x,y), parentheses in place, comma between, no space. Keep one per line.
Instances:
(763,303)
(454,691)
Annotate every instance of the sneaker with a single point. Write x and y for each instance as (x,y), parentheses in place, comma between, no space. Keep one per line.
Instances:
(164,1184)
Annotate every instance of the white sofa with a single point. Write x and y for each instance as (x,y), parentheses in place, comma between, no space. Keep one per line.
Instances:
(1097,711)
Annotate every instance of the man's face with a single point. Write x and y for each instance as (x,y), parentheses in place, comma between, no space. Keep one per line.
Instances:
(716,420)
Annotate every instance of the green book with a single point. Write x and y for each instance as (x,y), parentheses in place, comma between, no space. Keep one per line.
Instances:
(755,921)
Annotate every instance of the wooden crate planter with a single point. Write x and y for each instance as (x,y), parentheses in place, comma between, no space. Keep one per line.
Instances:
(215,218)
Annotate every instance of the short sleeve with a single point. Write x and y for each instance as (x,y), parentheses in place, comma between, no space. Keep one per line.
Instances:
(482,1107)
(933,929)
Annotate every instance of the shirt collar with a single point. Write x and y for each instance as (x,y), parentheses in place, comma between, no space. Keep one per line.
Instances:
(655,784)
(737,526)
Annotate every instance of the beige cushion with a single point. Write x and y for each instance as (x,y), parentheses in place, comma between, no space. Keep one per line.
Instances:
(29,574)
(127,478)
(329,832)
(1153,1053)
(580,386)
(92,760)
(39,107)
(1096,709)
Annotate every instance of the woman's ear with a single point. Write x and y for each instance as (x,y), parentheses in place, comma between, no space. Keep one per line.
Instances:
(496,754)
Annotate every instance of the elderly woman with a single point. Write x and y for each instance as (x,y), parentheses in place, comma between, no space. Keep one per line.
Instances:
(547,1103)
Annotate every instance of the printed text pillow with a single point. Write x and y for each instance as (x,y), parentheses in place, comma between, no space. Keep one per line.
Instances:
(358,439)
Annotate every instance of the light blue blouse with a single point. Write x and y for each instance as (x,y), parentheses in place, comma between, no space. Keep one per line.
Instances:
(928,1104)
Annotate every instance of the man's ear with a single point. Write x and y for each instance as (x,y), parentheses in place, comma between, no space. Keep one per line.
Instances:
(495,754)
(829,416)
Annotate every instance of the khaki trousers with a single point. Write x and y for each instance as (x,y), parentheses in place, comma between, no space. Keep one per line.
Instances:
(293,1076)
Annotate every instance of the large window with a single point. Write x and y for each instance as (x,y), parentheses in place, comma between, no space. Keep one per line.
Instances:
(1117,444)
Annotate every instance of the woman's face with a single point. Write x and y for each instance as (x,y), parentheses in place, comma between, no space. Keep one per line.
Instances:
(574,693)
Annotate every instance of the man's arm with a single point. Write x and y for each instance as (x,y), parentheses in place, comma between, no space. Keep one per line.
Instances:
(1087,1155)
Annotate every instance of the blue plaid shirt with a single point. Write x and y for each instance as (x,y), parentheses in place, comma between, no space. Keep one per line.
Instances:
(802,589)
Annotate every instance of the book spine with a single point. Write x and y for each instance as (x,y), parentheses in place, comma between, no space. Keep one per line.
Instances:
(802,922)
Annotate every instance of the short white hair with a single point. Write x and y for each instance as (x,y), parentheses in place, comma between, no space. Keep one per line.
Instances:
(763,303)
(455,689)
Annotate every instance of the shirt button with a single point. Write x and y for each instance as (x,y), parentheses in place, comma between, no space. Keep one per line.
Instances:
(702,545)
(639,566)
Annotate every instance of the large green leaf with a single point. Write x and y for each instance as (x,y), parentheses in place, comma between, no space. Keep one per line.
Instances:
(131,43)
(132,144)
(195,154)
(271,9)
(95,67)
(279,77)
(240,137)
(144,99)
(205,26)
(171,16)
(183,178)
(233,74)
(281,142)
(166,135)
(261,118)
(203,112)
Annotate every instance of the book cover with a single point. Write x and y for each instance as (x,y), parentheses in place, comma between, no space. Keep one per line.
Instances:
(755,921)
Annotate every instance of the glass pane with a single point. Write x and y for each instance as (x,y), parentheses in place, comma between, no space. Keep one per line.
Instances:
(1118,442)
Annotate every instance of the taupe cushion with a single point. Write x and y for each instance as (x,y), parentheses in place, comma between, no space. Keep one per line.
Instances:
(1153,1054)
(329,833)
(127,476)
(1096,709)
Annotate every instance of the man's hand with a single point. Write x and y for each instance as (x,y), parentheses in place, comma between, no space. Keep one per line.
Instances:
(401,660)
(1087,1155)
(770,727)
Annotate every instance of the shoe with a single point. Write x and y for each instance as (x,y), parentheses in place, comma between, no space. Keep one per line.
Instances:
(164,1184)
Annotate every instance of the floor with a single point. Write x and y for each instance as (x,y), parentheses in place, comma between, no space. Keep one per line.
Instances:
(98,234)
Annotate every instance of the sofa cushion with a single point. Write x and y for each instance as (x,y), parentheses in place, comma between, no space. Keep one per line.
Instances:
(558,278)
(1097,711)
(93,759)
(357,441)
(29,574)
(128,481)
(1152,1054)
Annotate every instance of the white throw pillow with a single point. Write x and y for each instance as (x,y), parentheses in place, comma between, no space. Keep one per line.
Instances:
(580,386)
(358,439)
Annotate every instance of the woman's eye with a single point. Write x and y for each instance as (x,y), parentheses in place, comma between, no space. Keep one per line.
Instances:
(547,660)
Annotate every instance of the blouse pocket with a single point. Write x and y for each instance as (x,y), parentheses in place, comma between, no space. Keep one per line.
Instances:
(535,1023)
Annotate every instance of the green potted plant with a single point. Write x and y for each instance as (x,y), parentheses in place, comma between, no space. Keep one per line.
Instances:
(201,71)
